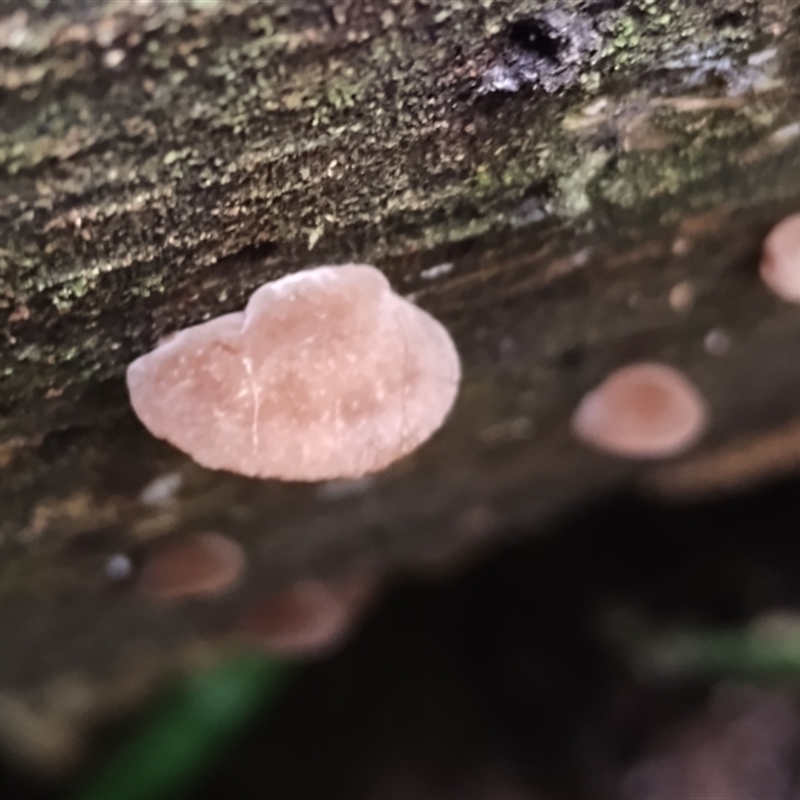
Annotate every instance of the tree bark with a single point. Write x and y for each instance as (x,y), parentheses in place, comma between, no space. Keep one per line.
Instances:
(567,185)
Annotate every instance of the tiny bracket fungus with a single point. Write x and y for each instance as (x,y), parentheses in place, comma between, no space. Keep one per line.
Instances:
(780,260)
(643,410)
(309,617)
(205,565)
(326,374)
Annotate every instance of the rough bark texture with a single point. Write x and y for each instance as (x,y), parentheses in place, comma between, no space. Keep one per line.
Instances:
(597,177)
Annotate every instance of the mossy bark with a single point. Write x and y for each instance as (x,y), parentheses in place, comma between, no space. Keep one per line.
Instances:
(577,164)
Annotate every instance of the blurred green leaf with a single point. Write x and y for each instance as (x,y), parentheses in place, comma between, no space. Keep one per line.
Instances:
(190,730)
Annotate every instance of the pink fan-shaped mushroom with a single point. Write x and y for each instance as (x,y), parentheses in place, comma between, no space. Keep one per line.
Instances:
(309,617)
(780,261)
(644,410)
(326,374)
(202,565)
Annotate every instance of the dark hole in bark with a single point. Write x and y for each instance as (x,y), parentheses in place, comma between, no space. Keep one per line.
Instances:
(253,253)
(730,19)
(536,38)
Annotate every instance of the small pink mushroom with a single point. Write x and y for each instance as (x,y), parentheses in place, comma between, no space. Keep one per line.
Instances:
(326,374)
(203,565)
(780,260)
(644,410)
(310,617)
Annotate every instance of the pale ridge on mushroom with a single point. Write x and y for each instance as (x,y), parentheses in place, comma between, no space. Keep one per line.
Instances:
(326,374)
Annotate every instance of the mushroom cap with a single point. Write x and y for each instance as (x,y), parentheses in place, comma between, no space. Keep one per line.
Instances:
(203,565)
(780,260)
(326,374)
(644,410)
(309,617)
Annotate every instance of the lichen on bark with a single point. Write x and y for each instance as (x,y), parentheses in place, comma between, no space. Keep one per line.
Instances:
(147,146)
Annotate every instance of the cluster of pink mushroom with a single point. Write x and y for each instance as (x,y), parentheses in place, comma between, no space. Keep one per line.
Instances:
(305,618)
(327,375)
(651,410)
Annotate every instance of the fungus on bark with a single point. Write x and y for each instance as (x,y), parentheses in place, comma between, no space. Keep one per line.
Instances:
(645,410)
(780,261)
(326,374)
(309,617)
(203,565)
